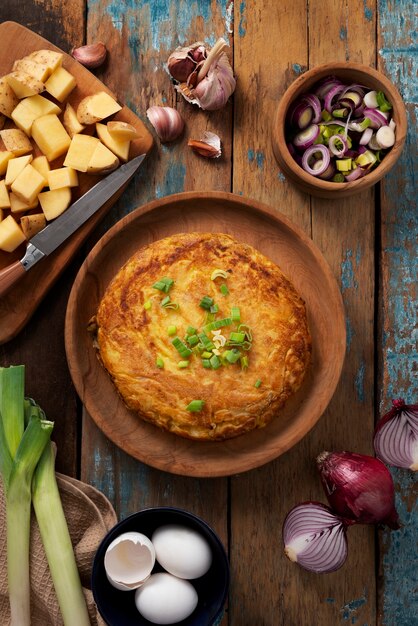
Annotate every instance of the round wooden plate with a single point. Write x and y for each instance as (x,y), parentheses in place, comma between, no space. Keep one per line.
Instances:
(276,237)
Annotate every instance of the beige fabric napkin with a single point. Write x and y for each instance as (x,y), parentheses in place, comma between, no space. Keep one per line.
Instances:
(89,517)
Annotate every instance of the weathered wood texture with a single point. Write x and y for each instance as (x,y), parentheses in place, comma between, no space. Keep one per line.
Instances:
(398,310)
(40,346)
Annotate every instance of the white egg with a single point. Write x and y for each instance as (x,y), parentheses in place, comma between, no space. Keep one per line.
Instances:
(165,599)
(182,551)
(129,560)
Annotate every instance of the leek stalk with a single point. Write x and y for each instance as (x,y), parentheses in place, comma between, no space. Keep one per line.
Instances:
(57,542)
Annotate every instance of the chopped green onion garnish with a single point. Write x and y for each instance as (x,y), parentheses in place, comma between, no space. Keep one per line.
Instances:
(195,406)
(243,328)
(218,274)
(164,284)
(237,337)
(383,104)
(326,116)
(224,289)
(159,362)
(206,355)
(244,362)
(183,364)
(165,301)
(206,363)
(226,321)
(257,383)
(246,345)
(214,308)
(206,302)
(191,331)
(215,362)
(147,305)
(232,356)
(167,304)
(206,342)
(210,317)
(235,314)
(192,340)
(338,178)
(171,330)
(181,348)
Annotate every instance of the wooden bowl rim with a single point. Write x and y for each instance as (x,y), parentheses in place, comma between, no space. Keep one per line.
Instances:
(311,76)
(233,462)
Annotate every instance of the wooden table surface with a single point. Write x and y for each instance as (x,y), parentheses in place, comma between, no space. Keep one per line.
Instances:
(369,240)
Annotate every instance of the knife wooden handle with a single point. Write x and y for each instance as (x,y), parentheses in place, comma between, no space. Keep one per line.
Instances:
(10,275)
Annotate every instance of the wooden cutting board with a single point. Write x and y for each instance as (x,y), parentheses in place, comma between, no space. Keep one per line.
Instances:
(17,306)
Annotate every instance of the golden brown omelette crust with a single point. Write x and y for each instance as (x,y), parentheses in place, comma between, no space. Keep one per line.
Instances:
(130,338)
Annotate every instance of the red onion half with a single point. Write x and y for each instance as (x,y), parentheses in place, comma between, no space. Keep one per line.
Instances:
(396,436)
(315,538)
(358,487)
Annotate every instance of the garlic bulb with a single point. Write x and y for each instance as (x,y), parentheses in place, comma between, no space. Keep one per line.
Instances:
(91,56)
(167,122)
(208,146)
(210,81)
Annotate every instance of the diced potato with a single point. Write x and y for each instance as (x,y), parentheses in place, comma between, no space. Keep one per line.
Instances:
(60,84)
(5,157)
(23,84)
(42,166)
(11,235)
(122,131)
(95,108)
(28,184)
(8,99)
(40,71)
(120,147)
(29,109)
(62,177)
(55,202)
(32,224)
(103,161)
(16,141)
(17,205)
(15,166)
(4,196)
(80,152)
(70,121)
(50,136)
(51,58)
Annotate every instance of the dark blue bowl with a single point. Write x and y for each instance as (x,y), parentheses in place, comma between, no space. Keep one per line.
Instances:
(118,607)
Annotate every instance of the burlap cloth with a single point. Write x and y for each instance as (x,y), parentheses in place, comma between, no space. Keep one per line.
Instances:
(89,517)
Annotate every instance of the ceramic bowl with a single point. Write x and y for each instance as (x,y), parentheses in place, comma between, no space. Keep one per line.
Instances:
(118,607)
(347,73)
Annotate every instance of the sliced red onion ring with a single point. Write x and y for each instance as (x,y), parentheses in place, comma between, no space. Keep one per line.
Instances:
(315,104)
(329,172)
(332,145)
(332,93)
(301,115)
(315,538)
(311,152)
(325,85)
(373,143)
(359,172)
(396,436)
(306,137)
(376,118)
(366,136)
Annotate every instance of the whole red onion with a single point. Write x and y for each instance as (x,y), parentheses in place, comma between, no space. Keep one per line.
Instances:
(358,487)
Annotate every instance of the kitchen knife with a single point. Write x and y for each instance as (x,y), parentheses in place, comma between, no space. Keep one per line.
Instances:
(53,235)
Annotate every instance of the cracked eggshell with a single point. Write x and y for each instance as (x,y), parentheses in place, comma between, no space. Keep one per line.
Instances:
(129,560)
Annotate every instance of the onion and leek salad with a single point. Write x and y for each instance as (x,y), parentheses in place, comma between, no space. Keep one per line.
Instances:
(340,132)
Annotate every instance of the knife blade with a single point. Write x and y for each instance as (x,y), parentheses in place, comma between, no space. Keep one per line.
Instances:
(53,235)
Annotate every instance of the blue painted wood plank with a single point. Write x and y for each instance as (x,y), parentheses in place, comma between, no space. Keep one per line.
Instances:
(398,59)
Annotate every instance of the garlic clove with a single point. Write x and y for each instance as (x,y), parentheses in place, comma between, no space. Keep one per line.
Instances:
(167,122)
(91,56)
(182,62)
(129,561)
(208,146)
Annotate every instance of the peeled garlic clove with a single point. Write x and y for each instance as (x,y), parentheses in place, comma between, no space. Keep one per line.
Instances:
(167,122)
(91,56)
(182,62)
(129,560)
(208,146)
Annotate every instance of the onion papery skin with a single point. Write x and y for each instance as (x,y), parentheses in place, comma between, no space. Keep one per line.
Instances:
(396,436)
(315,538)
(358,488)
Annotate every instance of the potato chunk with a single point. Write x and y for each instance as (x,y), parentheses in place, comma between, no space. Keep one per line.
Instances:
(55,202)
(50,136)
(40,71)
(8,99)
(23,84)
(60,84)
(62,177)
(16,141)
(29,109)
(5,157)
(32,224)
(28,184)
(51,58)
(15,166)
(4,196)
(80,152)
(70,121)
(11,235)
(95,108)
(122,131)
(17,205)
(120,147)
(103,161)
(41,164)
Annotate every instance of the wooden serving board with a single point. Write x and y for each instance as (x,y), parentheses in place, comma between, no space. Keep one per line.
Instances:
(276,237)
(20,303)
